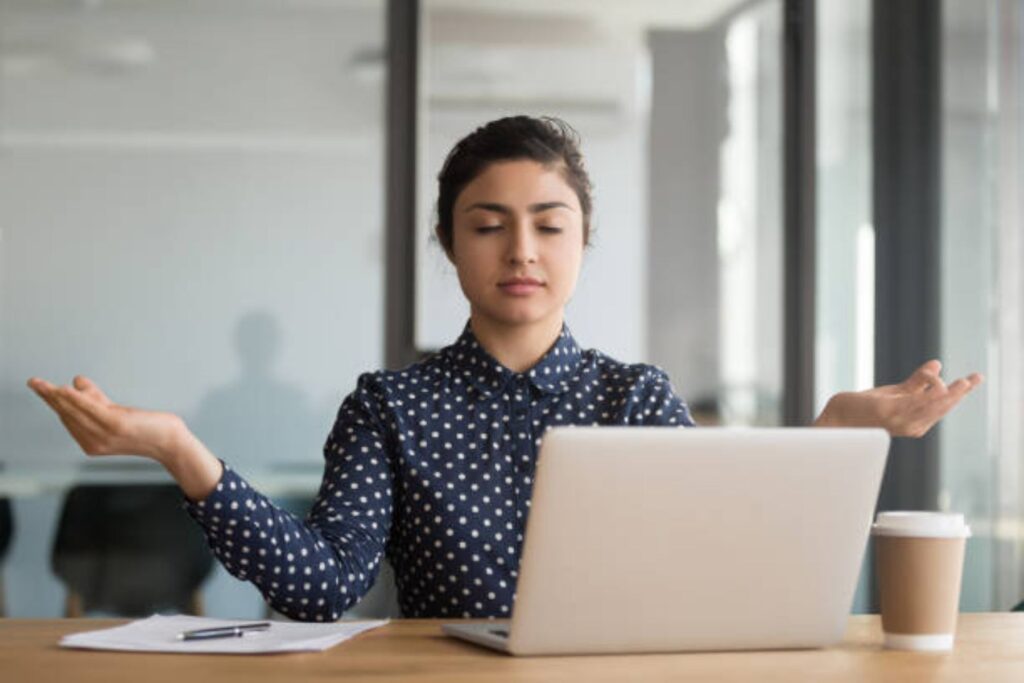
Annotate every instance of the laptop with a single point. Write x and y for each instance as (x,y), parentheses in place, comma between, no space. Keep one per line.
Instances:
(652,539)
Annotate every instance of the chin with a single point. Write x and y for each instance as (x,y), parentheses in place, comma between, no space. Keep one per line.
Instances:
(509,315)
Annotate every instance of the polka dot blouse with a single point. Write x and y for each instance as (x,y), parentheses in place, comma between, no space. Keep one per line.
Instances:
(432,467)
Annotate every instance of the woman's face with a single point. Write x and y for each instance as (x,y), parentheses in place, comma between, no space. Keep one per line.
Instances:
(517,243)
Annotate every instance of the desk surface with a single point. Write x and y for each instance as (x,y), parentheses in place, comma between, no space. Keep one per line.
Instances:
(990,647)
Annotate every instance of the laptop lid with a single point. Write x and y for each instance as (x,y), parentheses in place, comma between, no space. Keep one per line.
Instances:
(659,539)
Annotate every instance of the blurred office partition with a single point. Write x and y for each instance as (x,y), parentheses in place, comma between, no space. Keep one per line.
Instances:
(191,213)
(981,446)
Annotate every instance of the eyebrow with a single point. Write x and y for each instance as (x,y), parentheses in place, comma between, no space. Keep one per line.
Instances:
(532,208)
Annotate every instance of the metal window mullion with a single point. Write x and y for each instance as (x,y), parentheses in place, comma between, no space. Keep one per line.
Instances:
(403,18)
(799,209)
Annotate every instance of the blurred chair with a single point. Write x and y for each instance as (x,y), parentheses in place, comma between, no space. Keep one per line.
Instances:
(129,550)
(6,533)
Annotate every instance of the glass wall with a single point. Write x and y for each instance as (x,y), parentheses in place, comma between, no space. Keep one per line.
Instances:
(982,305)
(844,338)
(844,315)
(749,226)
(191,214)
(981,296)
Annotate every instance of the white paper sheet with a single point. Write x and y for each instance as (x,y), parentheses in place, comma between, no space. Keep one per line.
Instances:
(160,634)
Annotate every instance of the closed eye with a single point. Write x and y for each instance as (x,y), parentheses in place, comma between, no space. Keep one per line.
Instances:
(485,229)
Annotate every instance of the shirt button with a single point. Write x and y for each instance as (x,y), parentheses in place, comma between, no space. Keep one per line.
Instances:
(519,414)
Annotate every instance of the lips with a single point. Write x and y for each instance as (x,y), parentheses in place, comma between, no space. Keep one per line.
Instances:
(520,281)
(520,286)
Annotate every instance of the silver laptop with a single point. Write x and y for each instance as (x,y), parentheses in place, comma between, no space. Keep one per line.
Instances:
(650,539)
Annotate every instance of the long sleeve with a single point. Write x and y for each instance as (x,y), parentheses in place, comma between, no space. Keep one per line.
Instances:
(312,569)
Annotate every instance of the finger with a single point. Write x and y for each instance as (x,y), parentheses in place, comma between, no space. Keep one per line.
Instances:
(86,385)
(37,383)
(46,391)
(962,387)
(931,411)
(932,385)
(60,399)
(938,409)
(81,430)
(925,377)
(70,404)
(88,406)
(85,419)
(41,387)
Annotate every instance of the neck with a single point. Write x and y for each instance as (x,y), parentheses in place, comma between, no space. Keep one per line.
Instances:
(517,347)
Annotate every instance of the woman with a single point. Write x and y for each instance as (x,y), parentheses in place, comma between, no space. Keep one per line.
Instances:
(432,465)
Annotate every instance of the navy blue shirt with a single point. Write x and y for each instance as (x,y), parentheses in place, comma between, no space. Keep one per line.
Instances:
(431,466)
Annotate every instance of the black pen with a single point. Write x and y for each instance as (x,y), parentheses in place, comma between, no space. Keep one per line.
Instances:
(224,631)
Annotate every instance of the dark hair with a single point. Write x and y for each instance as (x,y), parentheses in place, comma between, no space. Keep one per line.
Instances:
(547,140)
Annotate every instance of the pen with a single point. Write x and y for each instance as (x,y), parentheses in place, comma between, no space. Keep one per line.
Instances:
(224,631)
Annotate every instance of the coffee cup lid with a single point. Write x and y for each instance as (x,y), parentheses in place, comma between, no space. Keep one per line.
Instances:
(926,524)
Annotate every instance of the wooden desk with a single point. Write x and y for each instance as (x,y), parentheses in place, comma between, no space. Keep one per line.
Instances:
(990,647)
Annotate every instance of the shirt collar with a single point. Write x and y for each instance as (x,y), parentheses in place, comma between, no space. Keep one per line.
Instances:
(551,375)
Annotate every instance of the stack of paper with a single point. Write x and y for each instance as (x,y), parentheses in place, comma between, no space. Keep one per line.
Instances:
(160,634)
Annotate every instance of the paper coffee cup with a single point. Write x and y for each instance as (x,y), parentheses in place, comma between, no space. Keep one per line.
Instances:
(919,559)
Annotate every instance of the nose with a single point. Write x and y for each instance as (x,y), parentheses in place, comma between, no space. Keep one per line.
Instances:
(522,245)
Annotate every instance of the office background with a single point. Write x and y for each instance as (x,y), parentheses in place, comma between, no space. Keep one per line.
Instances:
(199,209)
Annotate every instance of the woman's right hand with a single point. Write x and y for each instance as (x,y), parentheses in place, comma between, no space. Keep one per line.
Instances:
(102,427)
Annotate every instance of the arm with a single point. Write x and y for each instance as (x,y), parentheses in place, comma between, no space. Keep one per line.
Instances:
(909,408)
(315,569)
(311,570)
(102,427)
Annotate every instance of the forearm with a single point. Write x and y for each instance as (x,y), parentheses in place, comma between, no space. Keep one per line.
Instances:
(310,570)
(190,462)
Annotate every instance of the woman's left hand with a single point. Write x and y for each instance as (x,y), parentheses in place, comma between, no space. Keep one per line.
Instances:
(909,408)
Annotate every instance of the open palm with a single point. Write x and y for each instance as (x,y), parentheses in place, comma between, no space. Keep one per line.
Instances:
(102,427)
(909,408)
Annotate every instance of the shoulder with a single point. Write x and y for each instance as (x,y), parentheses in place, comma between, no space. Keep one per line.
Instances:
(379,394)
(422,375)
(620,374)
(645,391)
